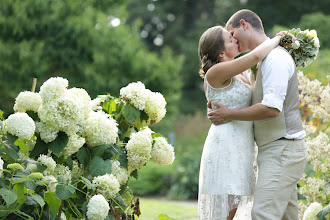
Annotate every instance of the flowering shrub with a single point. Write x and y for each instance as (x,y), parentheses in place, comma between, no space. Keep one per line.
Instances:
(315,183)
(65,156)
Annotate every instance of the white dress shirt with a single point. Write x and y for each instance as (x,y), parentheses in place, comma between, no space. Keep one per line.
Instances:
(277,69)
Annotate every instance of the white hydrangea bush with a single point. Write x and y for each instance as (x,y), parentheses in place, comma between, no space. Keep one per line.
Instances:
(69,147)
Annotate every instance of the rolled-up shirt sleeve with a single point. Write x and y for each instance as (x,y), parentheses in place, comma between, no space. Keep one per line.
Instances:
(277,68)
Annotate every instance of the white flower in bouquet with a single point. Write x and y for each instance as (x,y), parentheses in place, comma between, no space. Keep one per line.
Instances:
(77,170)
(312,210)
(139,149)
(107,185)
(62,171)
(20,125)
(162,152)
(53,88)
(83,99)
(74,144)
(135,94)
(100,128)
(97,208)
(119,172)
(27,101)
(49,162)
(51,182)
(63,113)
(47,133)
(1,167)
(155,106)
(63,217)
(304,54)
(95,103)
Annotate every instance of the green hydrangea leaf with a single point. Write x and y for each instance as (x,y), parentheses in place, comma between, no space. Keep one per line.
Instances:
(53,203)
(131,114)
(99,167)
(59,143)
(63,191)
(9,196)
(321,215)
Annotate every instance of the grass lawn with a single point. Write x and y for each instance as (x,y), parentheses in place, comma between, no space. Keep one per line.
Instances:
(178,210)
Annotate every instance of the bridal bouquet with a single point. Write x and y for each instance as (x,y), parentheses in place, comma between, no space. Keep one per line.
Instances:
(64,155)
(305,49)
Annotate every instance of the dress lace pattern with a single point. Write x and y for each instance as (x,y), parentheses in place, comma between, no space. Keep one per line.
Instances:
(226,177)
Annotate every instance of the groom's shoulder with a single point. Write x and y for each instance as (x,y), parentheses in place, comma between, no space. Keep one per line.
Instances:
(279,53)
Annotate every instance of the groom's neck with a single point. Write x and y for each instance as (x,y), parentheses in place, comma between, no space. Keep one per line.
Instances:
(258,39)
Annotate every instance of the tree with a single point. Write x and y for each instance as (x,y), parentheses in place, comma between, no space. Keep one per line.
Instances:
(86,42)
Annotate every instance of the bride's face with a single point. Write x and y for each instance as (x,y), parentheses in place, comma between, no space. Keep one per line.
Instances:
(231,45)
(239,35)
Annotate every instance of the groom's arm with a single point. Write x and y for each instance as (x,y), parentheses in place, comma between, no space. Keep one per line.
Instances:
(253,113)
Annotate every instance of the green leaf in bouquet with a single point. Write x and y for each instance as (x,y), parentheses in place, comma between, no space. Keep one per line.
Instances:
(122,158)
(11,139)
(64,191)
(21,145)
(83,156)
(87,183)
(68,161)
(131,114)
(110,107)
(9,196)
(20,189)
(99,167)
(323,213)
(110,217)
(53,203)
(41,168)
(111,152)
(39,148)
(121,202)
(59,143)
(154,135)
(99,150)
(8,149)
(135,174)
(38,199)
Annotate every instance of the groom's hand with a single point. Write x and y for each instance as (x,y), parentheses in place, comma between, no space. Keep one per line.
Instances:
(219,115)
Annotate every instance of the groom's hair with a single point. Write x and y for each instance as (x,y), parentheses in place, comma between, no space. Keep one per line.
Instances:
(249,16)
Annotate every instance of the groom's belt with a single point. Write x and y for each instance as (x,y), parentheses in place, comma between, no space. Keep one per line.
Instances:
(283,138)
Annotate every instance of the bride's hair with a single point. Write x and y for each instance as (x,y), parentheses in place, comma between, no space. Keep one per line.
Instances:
(211,44)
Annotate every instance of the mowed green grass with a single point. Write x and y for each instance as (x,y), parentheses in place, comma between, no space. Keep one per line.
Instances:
(178,210)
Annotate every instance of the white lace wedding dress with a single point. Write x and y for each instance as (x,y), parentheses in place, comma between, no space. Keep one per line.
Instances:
(226,178)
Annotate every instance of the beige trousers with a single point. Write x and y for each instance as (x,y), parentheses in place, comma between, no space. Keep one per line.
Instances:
(281,164)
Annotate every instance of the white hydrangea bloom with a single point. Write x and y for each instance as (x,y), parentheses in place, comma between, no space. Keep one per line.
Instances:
(84,100)
(27,101)
(325,98)
(119,172)
(50,181)
(20,125)
(63,217)
(74,144)
(1,167)
(53,88)
(312,210)
(77,170)
(100,128)
(97,208)
(139,149)
(62,171)
(49,162)
(47,133)
(135,94)
(155,106)
(107,185)
(162,153)
(63,113)
(95,104)
(31,167)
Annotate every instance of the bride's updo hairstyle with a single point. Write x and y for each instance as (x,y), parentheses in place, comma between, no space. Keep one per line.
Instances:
(211,44)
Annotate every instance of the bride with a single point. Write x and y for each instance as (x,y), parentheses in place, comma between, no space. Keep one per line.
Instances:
(226,176)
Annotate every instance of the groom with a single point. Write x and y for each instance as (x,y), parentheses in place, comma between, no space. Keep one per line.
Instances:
(278,129)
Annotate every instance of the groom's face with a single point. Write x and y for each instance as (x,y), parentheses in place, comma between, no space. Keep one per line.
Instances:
(238,34)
